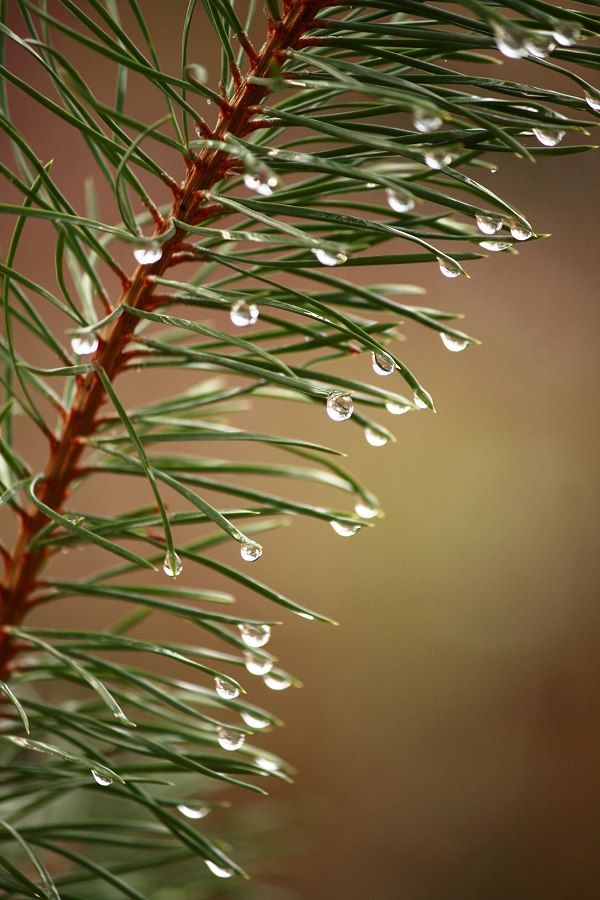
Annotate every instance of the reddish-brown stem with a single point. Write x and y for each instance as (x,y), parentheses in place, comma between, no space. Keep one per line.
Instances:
(20,580)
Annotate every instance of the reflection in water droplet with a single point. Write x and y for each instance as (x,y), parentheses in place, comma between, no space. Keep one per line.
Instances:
(549,137)
(448,269)
(229,738)
(255,636)
(397,409)
(488,224)
(257,665)
(437,158)
(250,551)
(167,566)
(510,40)
(426,121)
(382,363)
(365,510)
(519,231)
(419,402)
(593,101)
(225,689)
(375,438)
(329,259)
(191,812)
(339,406)
(399,201)
(217,870)
(344,529)
(84,344)
(452,343)
(148,253)
(261,180)
(102,780)
(539,45)
(242,313)
(566,33)
(254,721)
(277,682)
(495,246)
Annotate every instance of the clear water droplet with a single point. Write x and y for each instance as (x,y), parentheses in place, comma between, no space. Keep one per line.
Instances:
(84,344)
(566,33)
(102,780)
(488,224)
(229,738)
(375,438)
(307,616)
(193,812)
(254,721)
(339,406)
(382,363)
(519,231)
(255,636)
(399,201)
(397,409)
(198,130)
(593,101)
(261,180)
(448,269)
(217,870)
(344,529)
(256,665)
(147,254)
(437,158)
(426,121)
(539,44)
(365,510)
(226,235)
(243,314)
(269,765)
(167,566)
(277,682)
(225,689)
(549,137)
(510,40)
(455,345)
(329,259)
(495,246)
(250,551)
(419,402)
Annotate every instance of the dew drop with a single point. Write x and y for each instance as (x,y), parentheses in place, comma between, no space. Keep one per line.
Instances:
(539,45)
(419,402)
(147,254)
(167,566)
(225,689)
(229,738)
(549,137)
(329,259)
(399,201)
(255,636)
(495,246)
(217,870)
(261,180)
(344,529)
(339,406)
(277,682)
(437,158)
(84,344)
(382,363)
(566,33)
(226,235)
(448,268)
(193,812)
(307,616)
(365,510)
(250,551)
(510,40)
(269,765)
(102,780)
(488,224)
(254,721)
(375,438)
(519,231)
(242,313)
(256,665)
(592,101)
(397,409)
(426,121)
(455,345)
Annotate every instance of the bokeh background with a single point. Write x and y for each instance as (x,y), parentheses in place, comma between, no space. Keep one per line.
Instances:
(447,736)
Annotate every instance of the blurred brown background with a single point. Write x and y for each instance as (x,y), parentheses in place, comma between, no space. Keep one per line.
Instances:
(447,736)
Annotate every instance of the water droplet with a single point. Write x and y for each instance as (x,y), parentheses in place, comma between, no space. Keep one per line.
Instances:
(593,101)
(539,45)
(419,402)
(549,137)
(273,152)
(382,363)
(437,158)
(510,40)
(217,870)
(262,180)
(198,130)
(399,201)
(250,551)
(488,224)
(167,566)
(365,510)
(277,682)
(254,721)
(344,529)
(255,636)
(269,765)
(193,812)
(448,268)
(84,344)
(225,689)
(148,253)
(426,121)
(452,343)
(495,246)
(242,313)
(329,259)
(229,738)
(226,235)
(566,33)
(339,406)
(304,615)
(102,780)
(397,409)
(375,438)
(519,231)
(256,665)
